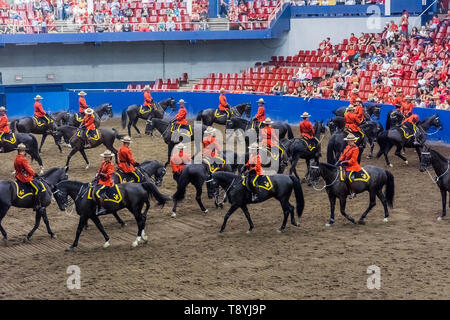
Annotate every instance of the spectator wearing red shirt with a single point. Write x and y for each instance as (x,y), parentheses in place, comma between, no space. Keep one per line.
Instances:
(353,39)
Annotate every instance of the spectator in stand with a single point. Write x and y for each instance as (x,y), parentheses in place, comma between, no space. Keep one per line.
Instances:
(161,24)
(144,11)
(170,24)
(118,27)
(435,22)
(284,89)
(276,89)
(404,23)
(115,8)
(144,27)
(252,15)
(223,8)
(353,39)
(126,26)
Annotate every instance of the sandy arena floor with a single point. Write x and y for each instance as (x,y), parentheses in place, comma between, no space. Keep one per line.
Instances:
(186,258)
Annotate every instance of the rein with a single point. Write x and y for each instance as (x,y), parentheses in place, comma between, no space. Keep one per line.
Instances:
(326,185)
(436,180)
(430,134)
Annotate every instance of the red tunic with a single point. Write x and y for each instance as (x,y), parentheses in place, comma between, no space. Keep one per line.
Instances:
(4,124)
(350,154)
(307,129)
(181,116)
(254,163)
(359,110)
(107,168)
(269,136)
(82,105)
(352,121)
(210,147)
(38,110)
(179,161)
(148,99)
(24,172)
(223,102)
(126,160)
(414,118)
(398,100)
(89,122)
(406,108)
(261,114)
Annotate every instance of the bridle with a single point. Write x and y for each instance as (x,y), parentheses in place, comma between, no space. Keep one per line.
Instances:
(326,185)
(436,180)
(71,203)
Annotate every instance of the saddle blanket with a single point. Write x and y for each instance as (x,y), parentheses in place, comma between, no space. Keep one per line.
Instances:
(182,129)
(8,137)
(135,176)
(224,113)
(90,134)
(214,164)
(144,109)
(361,175)
(32,188)
(42,121)
(109,194)
(309,143)
(275,155)
(263,182)
(408,132)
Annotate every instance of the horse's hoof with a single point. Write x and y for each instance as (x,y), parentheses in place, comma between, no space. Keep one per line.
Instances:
(206,211)
(391,165)
(87,167)
(5,242)
(221,205)
(106,245)
(328,224)
(71,249)
(406,162)
(53,236)
(439,218)
(174,215)
(134,244)
(145,238)
(280,230)
(361,222)
(26,240)
(123,225)
(385,220)
(249,232)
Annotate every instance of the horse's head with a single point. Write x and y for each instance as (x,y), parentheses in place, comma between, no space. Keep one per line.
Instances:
(172,104)
(149,127)
(229,124)
(213,188)
(332,126)
(320,127)
(159,175)
(248,109)
(61,197)
(436,121)
(425,159)
(376,111)
(109,110)
(396,117)
(314,172)
(55,175)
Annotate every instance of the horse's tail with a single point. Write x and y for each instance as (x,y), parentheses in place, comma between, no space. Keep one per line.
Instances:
(117,135)
(33,150)
(390,189)
(298,195)
(289,132)
(383,142)
(182,183)
(199,115)
(153,191)
(330,152)
(124,118)
(13,125)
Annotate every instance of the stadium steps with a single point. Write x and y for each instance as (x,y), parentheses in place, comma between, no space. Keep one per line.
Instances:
(218,24)
(66,26)
(189,86)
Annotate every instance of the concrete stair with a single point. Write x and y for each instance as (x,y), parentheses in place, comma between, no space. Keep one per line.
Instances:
(66,26)
(218,24)
(189,85)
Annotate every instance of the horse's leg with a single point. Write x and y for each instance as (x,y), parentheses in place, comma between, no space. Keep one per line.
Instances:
(293,169)
(383,200)
(174,208)
(398,153)
(81,223)
(249,219)
(444,204)
(129,125)
(44,136)
(232,209)
(372,203)
(169,153)
(120,221)
(36,225)
(70,155)
(332,199)
(83,153)
(57,144)
(135,127)
(342,203)
(285,206)
(198,197)
(3,211)
(139,221)
(47,223)
(99,226)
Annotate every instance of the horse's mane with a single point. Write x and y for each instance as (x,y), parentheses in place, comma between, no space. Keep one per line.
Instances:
(433,116)
(50,171)
(440,156)
(102,105)
(70,182)
(151,161)
(328,166)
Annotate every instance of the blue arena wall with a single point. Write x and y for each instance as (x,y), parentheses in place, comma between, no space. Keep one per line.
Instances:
(281,108)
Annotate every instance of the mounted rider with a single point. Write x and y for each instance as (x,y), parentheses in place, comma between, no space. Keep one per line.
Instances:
(82,106)
(25,175)
(104,178)
(179,160)
(260,116)
(359,110)
(407,107)
(269,137)
(4,127)
(88,127)
(349,160)
(354,95)
(211,148)
(39,113)
(127,164)
(352,122)
(410,124)
(307,131)
(253,170)
(148,99)
(180,117)
(224,107)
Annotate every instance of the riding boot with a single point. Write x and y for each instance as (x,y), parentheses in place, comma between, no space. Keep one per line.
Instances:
(99,211)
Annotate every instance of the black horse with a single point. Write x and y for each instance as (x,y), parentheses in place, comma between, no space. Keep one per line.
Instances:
(396,137)
(369,111)
(135,112)
(441,165)
(60,117)
(106,136)
(298,149)
(337,144)
(239,197)
(283,128)
(196,174)
(10,196)
(151,169)
(99,112)
(336,188)
(164,127)
(210,116)
(31,125)
(134,197)
(394,119)
(29,141)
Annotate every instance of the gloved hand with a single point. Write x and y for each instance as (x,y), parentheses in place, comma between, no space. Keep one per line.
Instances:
(102,175)
(137,164)
(344,163)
